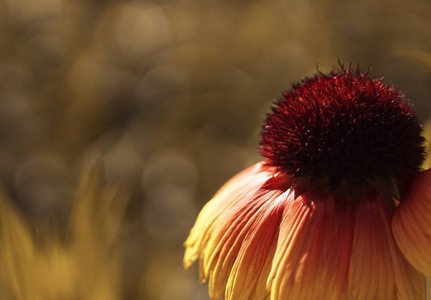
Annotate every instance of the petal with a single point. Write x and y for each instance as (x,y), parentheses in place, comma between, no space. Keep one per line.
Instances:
(411,224)
(248,218)
(323,253)
(232,192)
(239,214)
(388,274)
(254,253)
(310,262)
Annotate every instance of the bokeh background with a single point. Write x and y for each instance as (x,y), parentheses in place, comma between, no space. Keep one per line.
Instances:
(171,95)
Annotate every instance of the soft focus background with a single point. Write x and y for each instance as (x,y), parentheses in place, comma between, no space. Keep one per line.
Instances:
(172,95)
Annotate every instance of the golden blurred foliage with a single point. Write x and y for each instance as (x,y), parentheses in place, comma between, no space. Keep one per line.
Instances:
(86,265)
(172,95)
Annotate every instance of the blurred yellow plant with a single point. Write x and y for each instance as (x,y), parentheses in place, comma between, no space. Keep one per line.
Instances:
(423,58)
(427,134)
(85,267)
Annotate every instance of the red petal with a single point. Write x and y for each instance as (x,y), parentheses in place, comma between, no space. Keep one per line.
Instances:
(322,254)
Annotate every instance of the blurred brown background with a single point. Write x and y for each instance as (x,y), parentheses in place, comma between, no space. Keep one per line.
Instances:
(172,95)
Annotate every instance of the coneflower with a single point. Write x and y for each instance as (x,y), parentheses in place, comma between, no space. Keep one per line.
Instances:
(338,209)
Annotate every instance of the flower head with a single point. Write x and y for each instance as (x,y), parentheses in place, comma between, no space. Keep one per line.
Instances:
(343,127)
(317,218)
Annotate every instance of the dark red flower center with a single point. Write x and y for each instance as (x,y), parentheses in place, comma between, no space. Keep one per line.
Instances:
(343,127)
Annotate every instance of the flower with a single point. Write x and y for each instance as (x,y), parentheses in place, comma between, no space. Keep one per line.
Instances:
(338,209)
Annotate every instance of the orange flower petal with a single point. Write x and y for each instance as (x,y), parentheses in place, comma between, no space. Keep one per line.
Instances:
(325,254)
(411,224)
(255,250)
(232,216)
(232,192)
